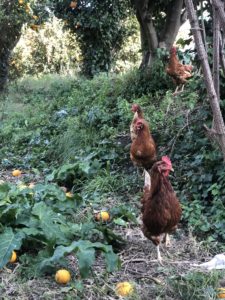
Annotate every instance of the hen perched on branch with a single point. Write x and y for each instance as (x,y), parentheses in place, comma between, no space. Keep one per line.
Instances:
(179,72)
(161,210)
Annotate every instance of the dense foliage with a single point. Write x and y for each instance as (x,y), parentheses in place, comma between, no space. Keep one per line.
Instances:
(100,28)
(87,121)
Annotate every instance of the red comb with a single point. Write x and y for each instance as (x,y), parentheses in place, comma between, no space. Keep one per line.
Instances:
(167,160)
(135,107)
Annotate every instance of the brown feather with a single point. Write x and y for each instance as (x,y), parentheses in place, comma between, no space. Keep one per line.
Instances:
(160,207)
(143,148)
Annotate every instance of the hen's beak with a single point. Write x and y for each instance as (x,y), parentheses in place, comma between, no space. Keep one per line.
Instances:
(172,169)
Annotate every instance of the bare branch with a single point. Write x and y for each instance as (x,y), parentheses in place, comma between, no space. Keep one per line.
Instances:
(213,99)
(216,51)
(219,5)
(222,58)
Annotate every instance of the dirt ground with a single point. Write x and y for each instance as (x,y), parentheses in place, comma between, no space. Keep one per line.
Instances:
(138,265)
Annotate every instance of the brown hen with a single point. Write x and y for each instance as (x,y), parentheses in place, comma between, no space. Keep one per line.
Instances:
(143,148)
(179,72)
(138,114)
(161,210)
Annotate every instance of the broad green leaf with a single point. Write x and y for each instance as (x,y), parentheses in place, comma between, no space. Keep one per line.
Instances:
(86,259)
(4,189)
(120,222)
(86,254)
(9,241)
(112,261)
(49,222)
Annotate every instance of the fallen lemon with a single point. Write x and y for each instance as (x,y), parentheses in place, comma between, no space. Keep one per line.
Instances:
(124,289)
(73,4)
(69,195)
(221,293)
(103,216)
(22,186)
(13,257)
(62,276)
(16,173)
(31,185)
(20,1)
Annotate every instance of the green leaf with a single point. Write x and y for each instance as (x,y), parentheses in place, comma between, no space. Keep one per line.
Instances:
(49,222)
(9,242)
(86,259)
(86,255)
(120,222)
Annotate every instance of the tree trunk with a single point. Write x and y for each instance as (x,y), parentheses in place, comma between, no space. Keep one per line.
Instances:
(222,58)
(10,28)
(219,5)
(153,37)
(216,51)
(218,131)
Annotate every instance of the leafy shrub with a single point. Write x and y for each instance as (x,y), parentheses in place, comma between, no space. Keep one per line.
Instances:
(50,49)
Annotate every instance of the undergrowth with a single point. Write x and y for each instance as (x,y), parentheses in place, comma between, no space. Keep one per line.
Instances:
(76,133)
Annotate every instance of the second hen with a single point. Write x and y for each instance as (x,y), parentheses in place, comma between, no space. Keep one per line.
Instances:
(138,114)
(161,210)
(178,71)
(143,148)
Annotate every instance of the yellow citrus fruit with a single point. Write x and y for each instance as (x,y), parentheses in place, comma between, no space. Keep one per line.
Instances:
(124,289)
(22,186)
(20,1)
(13,257)
(221,293)
(73,4)
(102,216)
(31,185)
(69,195)
(16,173)
(62,276)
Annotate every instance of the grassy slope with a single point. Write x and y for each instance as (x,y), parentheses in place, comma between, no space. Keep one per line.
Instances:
(48,122)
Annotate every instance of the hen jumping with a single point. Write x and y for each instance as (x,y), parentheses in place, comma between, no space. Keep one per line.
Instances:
(179,72)
(161,210)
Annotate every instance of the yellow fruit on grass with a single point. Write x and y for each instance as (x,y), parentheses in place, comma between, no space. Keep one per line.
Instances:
(62,276)
(69,195)
(221,293)
(16,173)
(124,289)
(31,185)
(102,216)
(73,4)
(20,1)
(13,257)
(22,187)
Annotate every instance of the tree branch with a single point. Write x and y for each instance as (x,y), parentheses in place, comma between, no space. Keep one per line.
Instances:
(172,24)
(216,51)
(222,58)
(213,99)
(219,5)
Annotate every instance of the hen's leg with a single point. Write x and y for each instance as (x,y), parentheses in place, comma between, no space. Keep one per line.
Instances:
(167,240)
(159,257)
(176,91)
(147,179)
